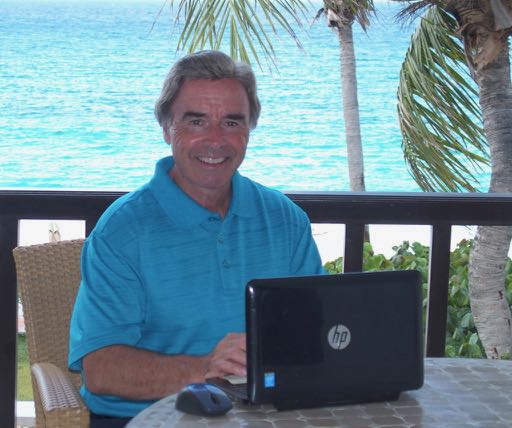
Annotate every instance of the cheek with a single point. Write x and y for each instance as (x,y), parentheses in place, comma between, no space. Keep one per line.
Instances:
(240,141)
(177,140)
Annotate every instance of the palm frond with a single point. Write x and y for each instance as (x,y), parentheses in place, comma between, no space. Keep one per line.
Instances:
(204,24)
(414,9)
(348,11)
(440,119)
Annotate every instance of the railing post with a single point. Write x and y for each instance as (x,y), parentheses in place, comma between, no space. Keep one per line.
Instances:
(437,307)
(354,242)
(90,222)
(8,315)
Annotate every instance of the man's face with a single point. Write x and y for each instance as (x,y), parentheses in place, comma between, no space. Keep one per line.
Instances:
(208,134)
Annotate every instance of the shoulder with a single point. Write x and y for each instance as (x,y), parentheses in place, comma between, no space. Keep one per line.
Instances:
(265,200)
(127,213)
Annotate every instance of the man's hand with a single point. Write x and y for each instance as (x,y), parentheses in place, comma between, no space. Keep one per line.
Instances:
(228,357)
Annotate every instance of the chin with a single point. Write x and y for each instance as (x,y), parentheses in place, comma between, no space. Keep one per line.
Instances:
(217,180)
(217,185)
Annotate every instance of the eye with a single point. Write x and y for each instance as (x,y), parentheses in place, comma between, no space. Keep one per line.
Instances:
(231,123)
(196,122)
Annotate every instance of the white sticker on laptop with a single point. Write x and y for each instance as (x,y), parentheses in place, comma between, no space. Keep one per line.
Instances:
(269,380)
(339,337)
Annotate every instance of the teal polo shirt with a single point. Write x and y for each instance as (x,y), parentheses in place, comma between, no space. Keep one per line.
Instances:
(162,273)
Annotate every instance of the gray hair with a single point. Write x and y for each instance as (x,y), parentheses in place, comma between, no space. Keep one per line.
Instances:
(212,65)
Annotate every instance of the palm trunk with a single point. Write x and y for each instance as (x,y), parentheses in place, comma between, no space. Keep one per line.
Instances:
(487,262)
(351,109)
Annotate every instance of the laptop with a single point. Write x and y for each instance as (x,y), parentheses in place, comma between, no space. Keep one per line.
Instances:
(331,339)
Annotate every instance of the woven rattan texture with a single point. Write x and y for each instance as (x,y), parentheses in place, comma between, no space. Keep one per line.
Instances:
(60,399)
(48,277)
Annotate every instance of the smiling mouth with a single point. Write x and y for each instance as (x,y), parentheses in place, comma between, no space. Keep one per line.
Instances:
(211,161)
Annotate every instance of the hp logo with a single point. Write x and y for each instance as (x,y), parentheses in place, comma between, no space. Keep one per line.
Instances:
(338,337)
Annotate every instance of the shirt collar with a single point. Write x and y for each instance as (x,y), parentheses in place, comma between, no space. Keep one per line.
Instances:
(243,198)
(186,212)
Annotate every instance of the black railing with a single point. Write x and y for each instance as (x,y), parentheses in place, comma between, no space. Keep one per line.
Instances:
(355,210)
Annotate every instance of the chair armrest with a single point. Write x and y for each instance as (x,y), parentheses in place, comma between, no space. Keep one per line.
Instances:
(61,403)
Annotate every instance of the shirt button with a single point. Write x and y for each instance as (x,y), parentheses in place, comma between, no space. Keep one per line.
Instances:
(220,238)
(226,263)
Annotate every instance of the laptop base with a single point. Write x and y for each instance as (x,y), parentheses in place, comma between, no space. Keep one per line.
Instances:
(305,404)
(238,392)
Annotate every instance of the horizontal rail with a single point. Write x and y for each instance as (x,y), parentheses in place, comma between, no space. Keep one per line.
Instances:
(322,207)
(355,210)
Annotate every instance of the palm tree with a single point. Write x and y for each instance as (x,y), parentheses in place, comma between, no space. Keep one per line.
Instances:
(341,15)
(437,121)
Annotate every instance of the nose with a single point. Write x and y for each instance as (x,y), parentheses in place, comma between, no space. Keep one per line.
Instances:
(215,133)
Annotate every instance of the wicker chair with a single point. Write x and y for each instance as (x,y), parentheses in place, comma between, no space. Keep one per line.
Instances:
(48,278)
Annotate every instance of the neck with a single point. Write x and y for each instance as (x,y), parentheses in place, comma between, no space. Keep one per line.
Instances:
(215,200)
(218,204)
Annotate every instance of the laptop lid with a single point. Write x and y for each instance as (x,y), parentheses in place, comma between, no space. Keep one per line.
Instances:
(331,339)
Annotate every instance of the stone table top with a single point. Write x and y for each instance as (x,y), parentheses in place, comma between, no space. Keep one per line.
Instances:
(457,393)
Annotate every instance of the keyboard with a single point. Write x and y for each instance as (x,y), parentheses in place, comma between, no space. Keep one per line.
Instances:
(234,389)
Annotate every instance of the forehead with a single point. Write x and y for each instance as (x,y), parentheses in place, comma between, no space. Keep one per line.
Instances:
(215,97)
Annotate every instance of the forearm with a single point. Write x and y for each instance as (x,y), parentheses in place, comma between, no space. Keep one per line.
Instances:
(137,374)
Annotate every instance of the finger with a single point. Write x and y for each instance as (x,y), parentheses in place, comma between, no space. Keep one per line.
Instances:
(223,368)
(229,356)
(232,343)
(235,338)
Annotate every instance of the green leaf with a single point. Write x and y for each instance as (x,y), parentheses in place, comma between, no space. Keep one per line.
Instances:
(473,339)
(204,24)
(439,116)
(467,321)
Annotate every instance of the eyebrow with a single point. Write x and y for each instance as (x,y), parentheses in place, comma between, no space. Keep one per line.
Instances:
(235,116)
(192,114)
(196,114)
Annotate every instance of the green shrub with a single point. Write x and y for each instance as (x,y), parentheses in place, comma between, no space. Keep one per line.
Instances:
(24,383)
(461,336)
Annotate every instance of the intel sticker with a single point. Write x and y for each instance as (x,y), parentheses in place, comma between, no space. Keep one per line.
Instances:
(270,380)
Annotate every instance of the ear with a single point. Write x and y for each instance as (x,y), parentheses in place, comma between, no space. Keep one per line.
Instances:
(167,136)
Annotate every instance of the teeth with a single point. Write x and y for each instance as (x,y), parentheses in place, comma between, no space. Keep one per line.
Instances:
(211,160)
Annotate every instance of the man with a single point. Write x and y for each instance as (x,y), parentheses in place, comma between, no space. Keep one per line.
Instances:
(164,271)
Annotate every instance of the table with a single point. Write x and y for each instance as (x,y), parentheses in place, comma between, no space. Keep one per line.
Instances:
(458,393)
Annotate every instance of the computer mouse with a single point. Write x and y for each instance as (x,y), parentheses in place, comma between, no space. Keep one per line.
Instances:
(203,399)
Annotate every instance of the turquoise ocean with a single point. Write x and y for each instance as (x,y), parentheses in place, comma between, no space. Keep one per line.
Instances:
(78,82)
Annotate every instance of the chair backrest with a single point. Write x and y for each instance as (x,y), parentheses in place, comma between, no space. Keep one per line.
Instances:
(48,278)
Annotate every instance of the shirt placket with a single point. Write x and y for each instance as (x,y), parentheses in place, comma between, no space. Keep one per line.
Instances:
(216,228)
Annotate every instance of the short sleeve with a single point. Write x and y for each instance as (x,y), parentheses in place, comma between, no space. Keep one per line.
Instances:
(306,258)
(109,308)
